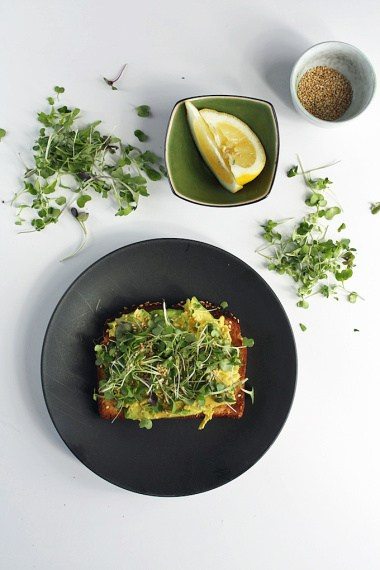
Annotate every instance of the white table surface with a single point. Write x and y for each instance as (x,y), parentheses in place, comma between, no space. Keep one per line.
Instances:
(312,502)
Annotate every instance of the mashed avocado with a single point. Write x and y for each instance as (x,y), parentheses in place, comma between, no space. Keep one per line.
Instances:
(169,363)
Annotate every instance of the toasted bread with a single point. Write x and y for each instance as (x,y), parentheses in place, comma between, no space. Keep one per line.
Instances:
(107,408)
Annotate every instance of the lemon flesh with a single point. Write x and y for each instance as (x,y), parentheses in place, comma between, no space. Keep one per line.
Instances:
(204,139)
(238,144)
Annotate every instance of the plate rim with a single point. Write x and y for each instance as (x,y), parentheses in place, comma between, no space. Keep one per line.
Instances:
(66,292)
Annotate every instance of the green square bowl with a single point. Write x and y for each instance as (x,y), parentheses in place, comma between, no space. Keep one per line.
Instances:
(189,176)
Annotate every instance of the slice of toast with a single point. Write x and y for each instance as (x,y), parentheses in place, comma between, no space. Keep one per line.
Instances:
(107,408)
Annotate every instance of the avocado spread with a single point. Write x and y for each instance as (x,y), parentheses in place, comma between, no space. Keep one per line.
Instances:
(169,363)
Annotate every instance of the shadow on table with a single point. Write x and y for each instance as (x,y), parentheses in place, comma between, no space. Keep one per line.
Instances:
(279,50)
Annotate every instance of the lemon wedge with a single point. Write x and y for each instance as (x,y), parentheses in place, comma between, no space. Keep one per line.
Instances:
(211,153)
(239,145)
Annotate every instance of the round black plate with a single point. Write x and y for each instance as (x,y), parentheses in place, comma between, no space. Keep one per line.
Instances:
(173,458)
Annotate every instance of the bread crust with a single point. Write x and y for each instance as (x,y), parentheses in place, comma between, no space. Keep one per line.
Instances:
(107,408)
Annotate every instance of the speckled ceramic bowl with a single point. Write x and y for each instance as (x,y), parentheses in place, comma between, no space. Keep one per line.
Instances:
(349,61)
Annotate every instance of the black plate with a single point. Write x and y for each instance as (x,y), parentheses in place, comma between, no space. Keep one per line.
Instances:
(173,458)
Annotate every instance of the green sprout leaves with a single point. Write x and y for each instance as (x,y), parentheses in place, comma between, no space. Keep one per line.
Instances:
(143,111)
(141,135)
(317,264)
(74,163)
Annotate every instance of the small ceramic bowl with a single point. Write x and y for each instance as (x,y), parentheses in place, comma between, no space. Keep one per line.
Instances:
(191,179)
(349,61)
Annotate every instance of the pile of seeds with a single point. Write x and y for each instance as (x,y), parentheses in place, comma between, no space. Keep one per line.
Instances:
(325,93)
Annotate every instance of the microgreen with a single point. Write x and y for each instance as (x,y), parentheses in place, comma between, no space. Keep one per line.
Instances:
(353,297)
(81,218)
(303,327)
(141,135)
(316,263)
(293,171)
(3,132)
(223,305)
(248,341)
(166,360)
(73,163)
(375,208)
(143,111)
(147,424)
(111,82)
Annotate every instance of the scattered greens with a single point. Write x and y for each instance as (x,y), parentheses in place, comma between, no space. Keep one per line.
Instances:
(223,305)
(293,171)
(353,297)
(3,132)
(143,111)
(317,264)
(111,82)
(168,361)
(303,327)
(375,208)
(141,135)
(73,163)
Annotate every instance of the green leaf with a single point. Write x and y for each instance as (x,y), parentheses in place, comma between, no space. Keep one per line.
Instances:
(149,156)
(53,212)
(331,212)
(342,227)
(61,200)
(303,327)
(248,342)
(38,224)
(292,171)
(82,217)
(82,200)
(375,208)
(3,132)
(50,100)
(59,89)
(343,275)
(141,135)
(318,183)
(303,304)
(224,305)
(124,211)
(45,120)
(49,188)
(147,424)
(352,297)
(153,174)
(356,330)
(143,110)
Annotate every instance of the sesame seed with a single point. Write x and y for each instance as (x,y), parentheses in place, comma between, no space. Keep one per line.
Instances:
(325,93)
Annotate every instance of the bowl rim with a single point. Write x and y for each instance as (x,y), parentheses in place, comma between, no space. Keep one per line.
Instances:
(296,102)
(276,158)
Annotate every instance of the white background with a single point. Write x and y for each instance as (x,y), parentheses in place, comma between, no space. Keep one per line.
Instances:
(312,502)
